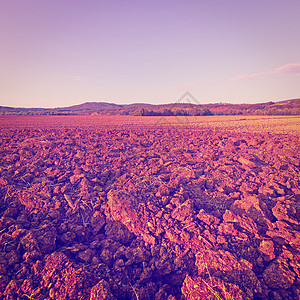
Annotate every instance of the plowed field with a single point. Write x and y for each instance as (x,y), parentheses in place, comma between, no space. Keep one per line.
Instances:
(120,207)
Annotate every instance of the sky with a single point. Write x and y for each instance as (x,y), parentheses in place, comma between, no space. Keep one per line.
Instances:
(56,53)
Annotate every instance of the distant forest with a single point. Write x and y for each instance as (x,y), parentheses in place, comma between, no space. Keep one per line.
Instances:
(287,107)
(269,108)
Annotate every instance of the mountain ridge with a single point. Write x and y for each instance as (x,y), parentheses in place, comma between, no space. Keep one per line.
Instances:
(283,107)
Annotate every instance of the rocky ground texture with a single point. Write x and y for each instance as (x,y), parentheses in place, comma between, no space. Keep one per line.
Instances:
(148,213)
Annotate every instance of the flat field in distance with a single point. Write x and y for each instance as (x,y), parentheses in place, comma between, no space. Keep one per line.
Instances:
(274,124)
(123,207)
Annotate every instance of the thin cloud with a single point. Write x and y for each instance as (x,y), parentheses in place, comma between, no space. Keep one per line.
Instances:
(285,69)
(289,69)
(76,77)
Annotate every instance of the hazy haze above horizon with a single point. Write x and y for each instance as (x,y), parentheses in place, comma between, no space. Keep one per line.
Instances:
(58,53)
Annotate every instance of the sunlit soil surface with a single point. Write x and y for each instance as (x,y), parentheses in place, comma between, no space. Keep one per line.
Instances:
(274,124)
(121,207)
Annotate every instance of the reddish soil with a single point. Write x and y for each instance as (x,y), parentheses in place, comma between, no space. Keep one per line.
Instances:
(91,211)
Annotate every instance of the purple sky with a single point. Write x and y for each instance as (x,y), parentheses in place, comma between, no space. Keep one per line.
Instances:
(64,52)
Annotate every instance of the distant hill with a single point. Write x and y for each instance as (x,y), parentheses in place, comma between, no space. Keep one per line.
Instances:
(92,106)
(285,107)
